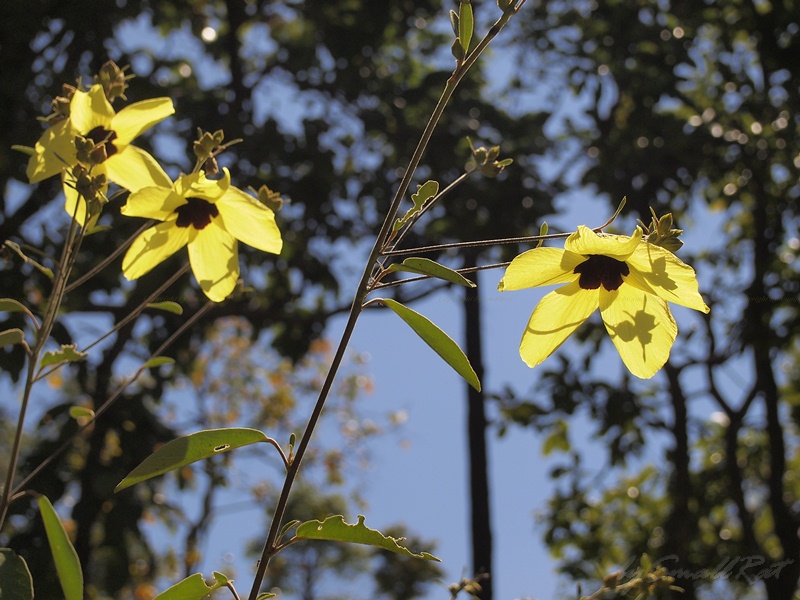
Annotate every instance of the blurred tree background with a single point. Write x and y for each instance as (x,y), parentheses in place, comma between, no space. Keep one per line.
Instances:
(691,108)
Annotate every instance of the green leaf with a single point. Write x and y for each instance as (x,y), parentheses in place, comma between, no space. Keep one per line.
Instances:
(158,361)
(425,192)
(168,306)
(9,337)
(335,529)
(11,305)
(437,339)
(28,150)
(191,448)
(81,412)
(557,440)
(16,582)
(466,24)
(193,587)
(425,266)
(68,567)
(68,353)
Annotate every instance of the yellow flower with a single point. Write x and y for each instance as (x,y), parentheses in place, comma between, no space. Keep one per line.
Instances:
(92,116)
(208,215)
(629,280)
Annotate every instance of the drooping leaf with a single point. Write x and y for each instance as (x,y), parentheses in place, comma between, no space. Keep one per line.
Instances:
(158,361)
(191,448)
(10,337)
(335,529)
(437,339)
(16,582)
(68,567)
(68,353)
(167,306)
(193,587)
(426,266)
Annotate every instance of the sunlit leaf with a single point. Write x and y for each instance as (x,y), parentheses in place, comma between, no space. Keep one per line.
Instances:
(465,24)
(425,266)
(335,529)
(68,353)
(9,337)
(437,339)
(193,587)
(158,361)
(425,192)
(167,306)
(191,448)
(68,567)
(16,582)
(81,412)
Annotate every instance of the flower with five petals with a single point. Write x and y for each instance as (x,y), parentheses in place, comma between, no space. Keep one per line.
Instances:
(208,216)
(92,116)
(629,280)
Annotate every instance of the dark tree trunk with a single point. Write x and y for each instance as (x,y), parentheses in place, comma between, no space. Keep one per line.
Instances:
(476,427)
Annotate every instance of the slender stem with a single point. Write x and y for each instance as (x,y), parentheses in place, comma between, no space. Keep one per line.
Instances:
(71,243)
(108,259)
(114,396)
(361,292)
(128,318)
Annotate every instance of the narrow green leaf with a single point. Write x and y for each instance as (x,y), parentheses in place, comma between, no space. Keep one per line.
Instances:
(466,23)
(425,266)
(81,412)
(158,361)
(68,567)
(191,448)
(437,339)
(16,582)
(68,353)
(335,529)
(167,306)
(193,587)
(9,337)
(28,150)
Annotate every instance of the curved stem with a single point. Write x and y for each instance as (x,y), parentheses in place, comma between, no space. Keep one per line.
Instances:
(270,544)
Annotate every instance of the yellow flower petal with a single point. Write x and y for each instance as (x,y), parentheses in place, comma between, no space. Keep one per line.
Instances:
(134,169)
(658,271)
(540,266)
(249,221)
(153,247)
(91,109)
(197,185)
(54,151)
(558,314)
(585,241)
(641,327)
(214,256)
(135,118)
(154,202)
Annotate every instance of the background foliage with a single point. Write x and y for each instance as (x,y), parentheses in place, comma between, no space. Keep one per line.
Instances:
(689,108)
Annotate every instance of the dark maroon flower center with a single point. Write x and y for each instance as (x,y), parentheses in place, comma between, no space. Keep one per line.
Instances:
(599,269)
(101,135)
(196,212)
